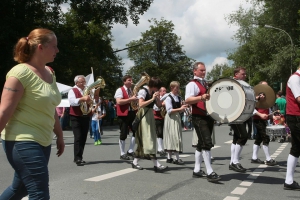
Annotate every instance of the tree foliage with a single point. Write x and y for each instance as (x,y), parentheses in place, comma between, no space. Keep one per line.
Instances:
(170,64)
(220,71)
(266,52)
(84,34)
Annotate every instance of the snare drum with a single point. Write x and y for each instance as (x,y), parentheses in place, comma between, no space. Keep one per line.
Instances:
(276,130)
(231,101)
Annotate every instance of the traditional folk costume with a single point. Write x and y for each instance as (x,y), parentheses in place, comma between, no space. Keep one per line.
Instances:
(293,119)
(159,124)
(203,125)
(146,134)
(126,116)
(261,137)
(173,129)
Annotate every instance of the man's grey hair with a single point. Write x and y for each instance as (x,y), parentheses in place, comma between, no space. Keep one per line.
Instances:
(196,64)
(77,77)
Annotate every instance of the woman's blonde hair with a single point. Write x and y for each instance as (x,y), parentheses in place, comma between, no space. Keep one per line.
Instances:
(174,84)
(26,46)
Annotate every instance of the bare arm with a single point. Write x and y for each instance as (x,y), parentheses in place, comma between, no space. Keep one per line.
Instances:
(143,103)
(13,91)
(60,145)
(193,100)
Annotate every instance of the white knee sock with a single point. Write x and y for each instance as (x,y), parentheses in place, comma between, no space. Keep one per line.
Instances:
(291,165)
(169,154)
(267,153)
(198,161)
(159,144)
(177,155)
(255,151)
(156,163)
(122,146)
(135,161)
(232,149)
(206,156)
(132,143)
(237,150)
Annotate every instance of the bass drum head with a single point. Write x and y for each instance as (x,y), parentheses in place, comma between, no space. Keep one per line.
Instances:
(227,100)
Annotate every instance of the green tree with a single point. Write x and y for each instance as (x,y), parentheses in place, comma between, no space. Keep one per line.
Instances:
(266,53)
(219,71)
(81,47)
(169,64)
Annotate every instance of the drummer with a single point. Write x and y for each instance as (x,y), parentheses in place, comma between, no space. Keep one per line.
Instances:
(260,118)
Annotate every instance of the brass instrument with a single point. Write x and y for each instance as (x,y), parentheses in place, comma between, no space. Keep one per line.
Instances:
(85,107)
(163,111)
(144,80)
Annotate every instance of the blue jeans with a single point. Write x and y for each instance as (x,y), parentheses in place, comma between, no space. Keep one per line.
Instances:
(95,130)
(30,162)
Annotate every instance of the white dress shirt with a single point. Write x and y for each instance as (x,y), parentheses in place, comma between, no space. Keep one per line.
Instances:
(72,98)
(168,102)
(192,89)
(119,93)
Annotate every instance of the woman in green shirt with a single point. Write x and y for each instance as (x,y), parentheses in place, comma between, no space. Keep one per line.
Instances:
(28,116)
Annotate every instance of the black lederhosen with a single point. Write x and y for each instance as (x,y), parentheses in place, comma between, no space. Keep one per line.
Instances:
(204,127)
(261,135)
(294,124)
(240,135)
(159,123)
(125,122)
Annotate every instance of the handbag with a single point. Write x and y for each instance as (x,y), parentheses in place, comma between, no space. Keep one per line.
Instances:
(136,121)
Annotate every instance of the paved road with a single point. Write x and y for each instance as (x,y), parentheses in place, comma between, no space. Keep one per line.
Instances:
(106,177)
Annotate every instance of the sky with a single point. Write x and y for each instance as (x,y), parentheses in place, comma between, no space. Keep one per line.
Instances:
(205,34)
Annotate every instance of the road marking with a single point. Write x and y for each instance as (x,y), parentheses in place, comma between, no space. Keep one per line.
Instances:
(215,147)
(247,183)
(54,147)
(239,190)
(231,198)
(111,175)
(228,142)
(256,173)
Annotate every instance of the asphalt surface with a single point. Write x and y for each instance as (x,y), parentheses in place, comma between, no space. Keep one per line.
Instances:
(111,178)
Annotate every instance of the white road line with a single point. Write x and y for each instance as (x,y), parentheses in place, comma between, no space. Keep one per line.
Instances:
(247,183)
(239,190)
(111,175)
(215,147)
(54,147)
(24,198)
(231,198)
(228,142)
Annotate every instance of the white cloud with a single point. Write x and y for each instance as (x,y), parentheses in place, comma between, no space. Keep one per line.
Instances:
(205,34)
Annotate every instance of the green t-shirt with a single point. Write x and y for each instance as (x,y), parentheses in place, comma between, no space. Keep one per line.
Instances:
(33,119)
(281,103)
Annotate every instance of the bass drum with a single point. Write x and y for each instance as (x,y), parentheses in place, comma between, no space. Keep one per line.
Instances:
(231,101)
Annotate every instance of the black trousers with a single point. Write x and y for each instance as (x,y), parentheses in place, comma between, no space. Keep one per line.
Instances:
(294,124)
(261,135)
(80,127)
(204,127)
(240,135)
(125,122)
(159,128)
(249,123)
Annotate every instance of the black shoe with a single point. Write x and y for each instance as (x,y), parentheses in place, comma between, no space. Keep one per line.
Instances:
(230,133)
(160,169)
(124,157)
(271,162)
(79,163)
(257,161)
(130,154)
(293,186)
(170,160)
(137,166)
(147,157)
(178,162)
(161,153)
(213,177)
(230,167)
(200,174)
(238,167)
